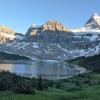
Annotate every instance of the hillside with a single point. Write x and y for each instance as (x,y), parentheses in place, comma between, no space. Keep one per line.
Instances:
(8,56)
(91,63)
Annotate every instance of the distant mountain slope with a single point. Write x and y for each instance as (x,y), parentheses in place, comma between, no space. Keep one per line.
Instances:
(8,56)
(6,34)
(91,63)
(7,30)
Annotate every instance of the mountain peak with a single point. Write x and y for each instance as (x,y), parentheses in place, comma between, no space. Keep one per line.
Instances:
(95,14)
(93,22)
(53,21)
(34,25)
(54,25)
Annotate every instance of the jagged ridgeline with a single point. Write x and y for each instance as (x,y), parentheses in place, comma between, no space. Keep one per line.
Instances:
(52,31)
(53,41)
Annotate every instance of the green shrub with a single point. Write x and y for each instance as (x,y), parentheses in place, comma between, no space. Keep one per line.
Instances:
(69,86)
(24,87)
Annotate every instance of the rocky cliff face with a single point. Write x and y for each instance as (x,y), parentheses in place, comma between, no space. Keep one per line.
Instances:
(54,25)
(51,25)
(93,22)
(32,31)
(6,34)
(50,32)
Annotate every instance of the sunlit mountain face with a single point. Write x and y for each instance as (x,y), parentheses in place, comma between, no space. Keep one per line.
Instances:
(53,41)
(6,34)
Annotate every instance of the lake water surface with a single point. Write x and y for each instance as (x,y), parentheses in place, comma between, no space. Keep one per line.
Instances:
(47,69)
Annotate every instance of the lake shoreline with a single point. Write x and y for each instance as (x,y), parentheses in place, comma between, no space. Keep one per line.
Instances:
(46,69)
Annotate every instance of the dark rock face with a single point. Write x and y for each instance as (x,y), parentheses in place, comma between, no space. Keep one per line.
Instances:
(49,37)
(93,22)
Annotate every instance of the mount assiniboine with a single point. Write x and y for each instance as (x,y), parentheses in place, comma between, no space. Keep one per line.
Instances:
(53,41)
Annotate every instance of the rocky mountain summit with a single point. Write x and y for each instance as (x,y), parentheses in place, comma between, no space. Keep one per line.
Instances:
(93,22)
(51,25)
(52,31)
(54,25)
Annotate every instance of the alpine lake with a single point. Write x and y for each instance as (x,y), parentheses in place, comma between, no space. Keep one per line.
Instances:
(47,69)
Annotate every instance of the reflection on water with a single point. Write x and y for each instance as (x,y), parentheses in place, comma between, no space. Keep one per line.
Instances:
(6,67)
(47,69)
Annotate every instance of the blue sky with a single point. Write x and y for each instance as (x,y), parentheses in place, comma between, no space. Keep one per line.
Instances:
(21,14)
